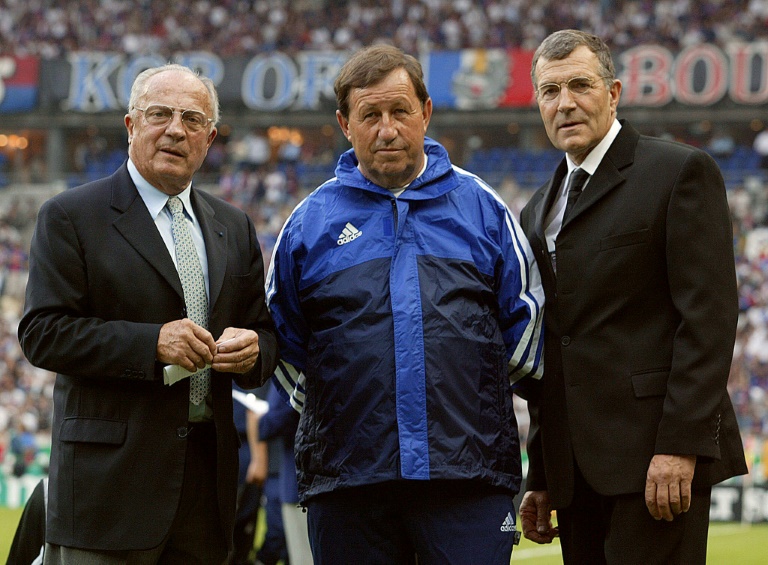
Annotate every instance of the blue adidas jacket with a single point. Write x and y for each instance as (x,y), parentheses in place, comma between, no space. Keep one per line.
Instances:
(407,318)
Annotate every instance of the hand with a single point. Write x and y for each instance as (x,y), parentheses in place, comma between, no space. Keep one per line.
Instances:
(184,343)
(668,485)
(536,517)
(236,351)
(257,470)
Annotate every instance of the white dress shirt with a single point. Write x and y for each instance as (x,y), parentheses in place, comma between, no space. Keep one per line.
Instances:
(553,221)
(155,202)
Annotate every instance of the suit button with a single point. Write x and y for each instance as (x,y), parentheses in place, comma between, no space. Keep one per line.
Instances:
(565,340)
(182,432)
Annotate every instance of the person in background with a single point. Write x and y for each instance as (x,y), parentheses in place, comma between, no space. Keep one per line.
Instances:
(28,545)
(134,279)
(253,458)
(279,425)
(406,296)
(632,423)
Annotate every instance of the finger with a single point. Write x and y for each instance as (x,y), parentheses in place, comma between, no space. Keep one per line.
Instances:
(650,499)
(234,341)
(531,532)
(200,354)
(675,504)
(536,537)
(685,496)
(206,339)
(543,519)
(239,367)
(662,499)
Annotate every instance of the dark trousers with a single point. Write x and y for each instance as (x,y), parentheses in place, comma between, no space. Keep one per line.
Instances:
(619,530)
(274,547)
(248,504)
(394,523)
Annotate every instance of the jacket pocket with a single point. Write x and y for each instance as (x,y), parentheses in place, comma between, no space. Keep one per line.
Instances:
(650,383)
(93,430)
(624,239)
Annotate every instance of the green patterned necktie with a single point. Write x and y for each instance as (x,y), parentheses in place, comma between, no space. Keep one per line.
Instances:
(193,283)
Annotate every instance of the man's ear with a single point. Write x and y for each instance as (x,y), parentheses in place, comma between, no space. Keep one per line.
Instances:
(343,124)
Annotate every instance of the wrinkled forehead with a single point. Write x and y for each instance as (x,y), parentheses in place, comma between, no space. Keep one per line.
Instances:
(581,62)
(178,90)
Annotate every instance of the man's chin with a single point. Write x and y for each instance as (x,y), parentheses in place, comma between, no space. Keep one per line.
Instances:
(392,178)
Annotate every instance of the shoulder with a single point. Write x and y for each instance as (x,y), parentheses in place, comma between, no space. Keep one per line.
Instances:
(88,200)
(669,155)
(223,210)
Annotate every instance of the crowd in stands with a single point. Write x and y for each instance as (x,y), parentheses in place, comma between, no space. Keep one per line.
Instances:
(246,27)
(268,180)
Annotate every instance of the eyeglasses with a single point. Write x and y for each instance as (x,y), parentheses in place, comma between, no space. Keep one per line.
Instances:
(577,85)
(158,115)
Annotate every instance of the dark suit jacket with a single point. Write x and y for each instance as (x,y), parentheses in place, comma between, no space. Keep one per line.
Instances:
(101,284)
(640,323)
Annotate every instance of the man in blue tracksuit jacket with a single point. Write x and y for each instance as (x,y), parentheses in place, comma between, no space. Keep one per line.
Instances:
(406,301)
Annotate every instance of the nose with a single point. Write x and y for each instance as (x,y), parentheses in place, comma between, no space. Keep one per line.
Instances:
(387,127)
(566,100)
(175,127)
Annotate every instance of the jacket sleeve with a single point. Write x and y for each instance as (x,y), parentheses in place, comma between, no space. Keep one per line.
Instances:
(259,320)
(284,305)
(57,330)
(521,302)
(702,282)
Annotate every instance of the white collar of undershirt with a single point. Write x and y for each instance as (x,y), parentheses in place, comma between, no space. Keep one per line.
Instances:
(595,156)
(154,199)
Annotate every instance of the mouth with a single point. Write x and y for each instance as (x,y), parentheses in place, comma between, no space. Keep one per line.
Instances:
(389,150)
(567,126)
(172,151)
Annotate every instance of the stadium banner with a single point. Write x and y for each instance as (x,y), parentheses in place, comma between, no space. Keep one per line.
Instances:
(465,80)
(477,79)
(739,503)
(19,83)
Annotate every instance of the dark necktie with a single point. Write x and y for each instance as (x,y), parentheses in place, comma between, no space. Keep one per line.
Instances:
(575,186)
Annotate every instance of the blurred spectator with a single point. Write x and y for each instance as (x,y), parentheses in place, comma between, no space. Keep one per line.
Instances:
(245,27)
(760,145)
(24,443)
(721,144)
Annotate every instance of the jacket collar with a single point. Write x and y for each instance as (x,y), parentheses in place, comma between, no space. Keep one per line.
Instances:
(606,177)
(438,178)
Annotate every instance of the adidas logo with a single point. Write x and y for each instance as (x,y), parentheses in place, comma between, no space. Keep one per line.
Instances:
(350,233)
(509,523)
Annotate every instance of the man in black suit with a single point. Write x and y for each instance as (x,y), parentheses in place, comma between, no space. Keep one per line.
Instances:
(142,471)
(632,424)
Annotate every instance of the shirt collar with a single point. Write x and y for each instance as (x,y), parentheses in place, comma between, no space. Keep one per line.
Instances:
(595,156)
(154,199)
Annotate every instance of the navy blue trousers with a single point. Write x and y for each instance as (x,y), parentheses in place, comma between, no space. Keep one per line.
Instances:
(409,522)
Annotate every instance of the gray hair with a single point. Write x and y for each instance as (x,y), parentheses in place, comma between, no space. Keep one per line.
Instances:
(560,44)
(139,87)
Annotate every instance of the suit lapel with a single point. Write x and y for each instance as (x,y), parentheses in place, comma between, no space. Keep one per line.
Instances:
(540,204)
(608,174)
(546,198)
(215,235)
(138,228)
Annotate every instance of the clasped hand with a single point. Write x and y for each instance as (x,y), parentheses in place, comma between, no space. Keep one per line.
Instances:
(184,343)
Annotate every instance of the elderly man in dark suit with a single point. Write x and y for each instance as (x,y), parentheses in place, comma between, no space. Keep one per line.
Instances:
(633,422)
(130,275)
